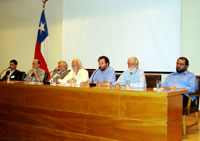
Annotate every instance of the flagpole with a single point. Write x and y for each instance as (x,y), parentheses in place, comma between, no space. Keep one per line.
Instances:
(44,3)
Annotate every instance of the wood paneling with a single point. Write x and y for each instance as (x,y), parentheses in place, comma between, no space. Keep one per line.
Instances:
(175,107)
(73,122)
(125,129)
(57,100)
(145,108)
(16,132)
(12,96)
(38,112)
(174,129)
(103,104)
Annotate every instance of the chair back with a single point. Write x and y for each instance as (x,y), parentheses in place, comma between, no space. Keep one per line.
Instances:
(197,83)
(151,80)
(23,75)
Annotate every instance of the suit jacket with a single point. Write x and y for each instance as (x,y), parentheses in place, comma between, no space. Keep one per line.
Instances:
(15,76)
(63,75)
(59,76)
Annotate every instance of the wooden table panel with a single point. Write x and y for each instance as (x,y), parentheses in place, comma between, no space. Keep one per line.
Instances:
(73,122)
(125,129)
(175,107)
(146,108)
(58,100)
(38,112)
(12,96)
(103,104)
(19,132)
(174,129)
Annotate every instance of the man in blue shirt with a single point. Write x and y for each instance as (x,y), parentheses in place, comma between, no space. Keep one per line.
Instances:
(182,78)
(134,76)
(104,75)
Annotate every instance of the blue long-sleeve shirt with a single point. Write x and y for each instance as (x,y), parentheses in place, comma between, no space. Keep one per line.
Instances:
(108,75)
(137,79)
(182,80)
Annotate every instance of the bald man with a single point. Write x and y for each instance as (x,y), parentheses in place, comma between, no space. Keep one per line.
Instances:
(60,72)
(36,74)
(77,74)
(134,75)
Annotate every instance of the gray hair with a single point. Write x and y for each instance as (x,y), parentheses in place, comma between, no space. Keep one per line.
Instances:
(79,62)
(134,58)
(65,63)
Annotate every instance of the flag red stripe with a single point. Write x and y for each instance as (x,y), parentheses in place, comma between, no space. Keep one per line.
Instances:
(38,55)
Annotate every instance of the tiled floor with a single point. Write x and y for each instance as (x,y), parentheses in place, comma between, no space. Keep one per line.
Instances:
(193,134)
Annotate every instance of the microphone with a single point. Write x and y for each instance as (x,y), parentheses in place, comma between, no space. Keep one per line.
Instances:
(56,69)
(32,75)
(4,71)
(92,84)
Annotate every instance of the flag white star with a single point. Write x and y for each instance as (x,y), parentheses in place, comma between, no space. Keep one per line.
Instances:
(41,28)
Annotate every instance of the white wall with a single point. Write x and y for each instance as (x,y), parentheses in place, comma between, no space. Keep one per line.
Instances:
(191,33)
(19,20)
(119,29)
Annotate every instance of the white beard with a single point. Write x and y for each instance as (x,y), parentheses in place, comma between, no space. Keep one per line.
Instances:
(132,70)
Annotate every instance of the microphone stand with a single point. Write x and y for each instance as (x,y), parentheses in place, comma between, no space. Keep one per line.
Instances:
(3,71)
(92,84)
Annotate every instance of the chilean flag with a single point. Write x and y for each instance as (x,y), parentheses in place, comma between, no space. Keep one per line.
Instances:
(42,44)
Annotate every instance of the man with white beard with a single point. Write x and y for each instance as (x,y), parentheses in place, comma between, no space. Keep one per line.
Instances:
(134,75)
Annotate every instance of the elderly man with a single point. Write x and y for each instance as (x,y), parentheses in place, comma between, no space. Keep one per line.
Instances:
(78,74)
(133,76)
(35,74)
(60,72)
(182,78)
(104,75)
(13,74)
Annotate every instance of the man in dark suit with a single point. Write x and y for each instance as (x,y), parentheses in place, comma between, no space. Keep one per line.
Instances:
(13,74)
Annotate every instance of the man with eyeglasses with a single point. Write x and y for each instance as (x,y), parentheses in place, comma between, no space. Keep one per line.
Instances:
(134,75)
(36,74)
(182,78)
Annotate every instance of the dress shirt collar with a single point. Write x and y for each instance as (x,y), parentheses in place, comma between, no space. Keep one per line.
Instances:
(11,72)
(183,73)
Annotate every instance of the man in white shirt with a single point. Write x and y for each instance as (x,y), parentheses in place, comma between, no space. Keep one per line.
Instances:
(77,75)
(134,75)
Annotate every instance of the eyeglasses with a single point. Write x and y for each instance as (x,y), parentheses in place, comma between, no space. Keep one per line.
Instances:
(131,64)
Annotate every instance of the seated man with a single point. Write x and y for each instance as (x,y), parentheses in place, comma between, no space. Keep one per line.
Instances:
(60,72)
(104,75)
(35,74)
(182,78)
(134,76)
(77,75)
(13,74)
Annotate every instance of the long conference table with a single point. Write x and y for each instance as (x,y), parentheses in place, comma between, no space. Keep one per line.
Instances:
(43,112)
